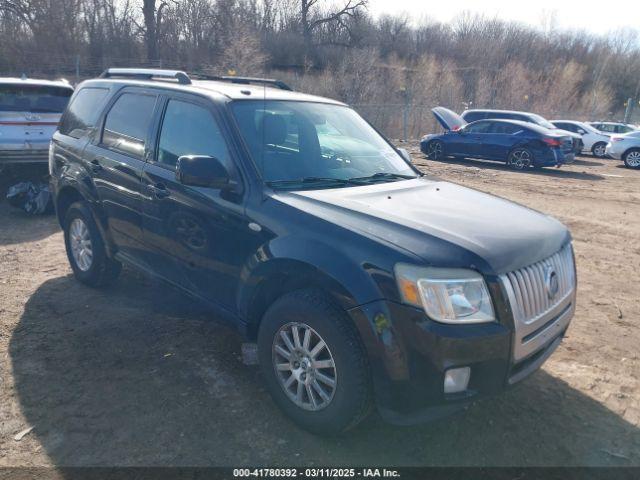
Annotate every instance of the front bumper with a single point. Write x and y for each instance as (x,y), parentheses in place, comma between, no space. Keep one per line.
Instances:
(409,355)
(612,150)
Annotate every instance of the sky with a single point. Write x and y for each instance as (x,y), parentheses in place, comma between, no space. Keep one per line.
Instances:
(593,15)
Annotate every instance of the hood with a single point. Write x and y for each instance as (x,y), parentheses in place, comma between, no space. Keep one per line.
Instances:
(448,119)
(500,235)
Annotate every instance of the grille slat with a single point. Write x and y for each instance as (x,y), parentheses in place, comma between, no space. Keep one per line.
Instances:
(529,285)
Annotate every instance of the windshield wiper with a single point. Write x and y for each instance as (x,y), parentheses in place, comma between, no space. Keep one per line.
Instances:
(309,181)
(381,176)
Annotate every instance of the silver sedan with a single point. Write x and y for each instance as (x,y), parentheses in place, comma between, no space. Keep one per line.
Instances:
(625,147)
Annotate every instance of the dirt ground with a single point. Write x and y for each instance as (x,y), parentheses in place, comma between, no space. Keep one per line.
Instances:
(140,375)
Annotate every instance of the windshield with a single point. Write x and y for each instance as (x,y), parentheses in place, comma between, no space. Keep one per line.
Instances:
(302,142)
(33,98)
(543,122)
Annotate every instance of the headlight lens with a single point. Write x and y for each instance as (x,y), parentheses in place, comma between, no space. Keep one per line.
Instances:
(449,295)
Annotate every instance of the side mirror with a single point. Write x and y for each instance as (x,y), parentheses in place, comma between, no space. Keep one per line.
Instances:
(581,132)
(202,171)
(404,154)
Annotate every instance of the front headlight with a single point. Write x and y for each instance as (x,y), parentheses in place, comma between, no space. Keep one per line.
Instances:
(448,295)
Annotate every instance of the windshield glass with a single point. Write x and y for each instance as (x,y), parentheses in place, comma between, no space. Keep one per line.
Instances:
(543,122)
(295,141)
(34,98)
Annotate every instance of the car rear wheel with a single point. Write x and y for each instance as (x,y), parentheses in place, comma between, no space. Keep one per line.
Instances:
(435,150)
(632,158)
(520,159)
(599,149)
(85,248)
(314,363)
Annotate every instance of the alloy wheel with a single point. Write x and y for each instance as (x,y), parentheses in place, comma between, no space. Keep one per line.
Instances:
(520,159)
(434,151)
(599,150)
(633,159)
(80,242)
(304,366)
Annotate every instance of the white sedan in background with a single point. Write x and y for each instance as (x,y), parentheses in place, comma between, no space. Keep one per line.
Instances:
(625,147)
(595,141)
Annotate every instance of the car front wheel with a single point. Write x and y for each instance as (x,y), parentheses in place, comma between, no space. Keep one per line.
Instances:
(314,363)
(435,150)
(632,158)
(85,248)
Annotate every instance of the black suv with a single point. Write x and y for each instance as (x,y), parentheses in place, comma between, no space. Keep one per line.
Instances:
(362,282)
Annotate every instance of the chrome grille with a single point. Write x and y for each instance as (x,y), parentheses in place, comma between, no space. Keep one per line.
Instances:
(539,311)
(529,285)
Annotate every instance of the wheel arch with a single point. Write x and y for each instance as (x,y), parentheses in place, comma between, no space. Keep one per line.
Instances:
(282,276)
(66,196)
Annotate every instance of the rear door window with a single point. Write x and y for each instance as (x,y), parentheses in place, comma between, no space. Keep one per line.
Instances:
(479,127)
(126,126)
(34,98)
(83,112)
(505,128)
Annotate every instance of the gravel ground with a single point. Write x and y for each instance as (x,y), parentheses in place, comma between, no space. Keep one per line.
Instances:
(139,374)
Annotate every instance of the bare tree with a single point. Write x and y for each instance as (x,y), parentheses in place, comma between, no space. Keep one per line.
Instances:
(312,16)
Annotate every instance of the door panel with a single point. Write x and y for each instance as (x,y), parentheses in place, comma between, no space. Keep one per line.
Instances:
(116,165)
(197,237)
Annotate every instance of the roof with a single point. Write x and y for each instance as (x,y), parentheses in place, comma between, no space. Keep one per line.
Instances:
(233,88)
(34,81)
(496,111)
(521,123)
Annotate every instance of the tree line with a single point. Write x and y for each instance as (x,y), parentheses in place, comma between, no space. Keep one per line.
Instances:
(389,64)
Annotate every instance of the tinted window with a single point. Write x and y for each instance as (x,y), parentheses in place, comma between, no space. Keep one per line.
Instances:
(567,126)
(478,127)
(505,128)
(189,129)
(34,98)
(83,112)
(127,123)
(473,116)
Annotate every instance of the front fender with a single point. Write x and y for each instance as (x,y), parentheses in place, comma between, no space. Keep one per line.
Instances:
(306,257)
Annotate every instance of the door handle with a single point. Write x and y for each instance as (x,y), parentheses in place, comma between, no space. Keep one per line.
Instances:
(159,190)
(95,165)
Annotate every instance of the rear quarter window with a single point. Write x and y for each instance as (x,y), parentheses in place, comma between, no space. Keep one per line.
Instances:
(83,112)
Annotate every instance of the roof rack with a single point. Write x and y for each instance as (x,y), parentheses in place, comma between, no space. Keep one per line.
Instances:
(147,74)
(244,80)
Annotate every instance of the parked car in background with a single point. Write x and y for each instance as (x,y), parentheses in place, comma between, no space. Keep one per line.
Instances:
(29,114)
(595,141)
(625,147)
(520,144)
(613,127)
(363,282)
(482,114)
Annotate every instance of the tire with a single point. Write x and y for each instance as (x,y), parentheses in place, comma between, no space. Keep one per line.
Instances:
(598,150)
(93,267)
(632,158)
(349,400)
(435,150)
(520,159)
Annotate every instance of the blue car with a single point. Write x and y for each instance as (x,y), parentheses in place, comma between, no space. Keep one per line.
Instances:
(521,145)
